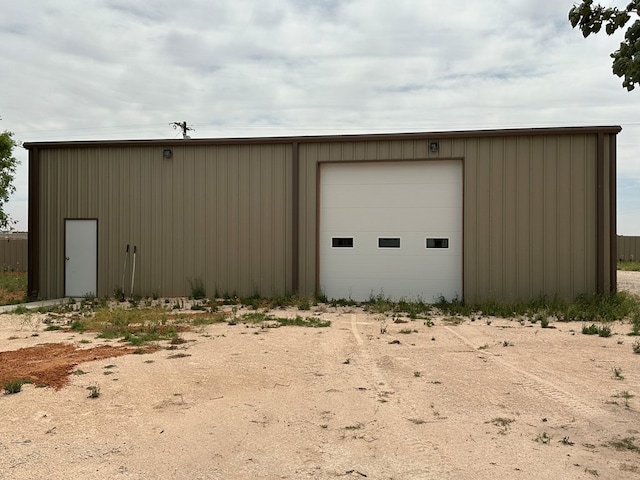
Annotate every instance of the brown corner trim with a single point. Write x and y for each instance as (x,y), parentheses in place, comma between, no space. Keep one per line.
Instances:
(295,220)
(33,226)
(613,259)
(600,220)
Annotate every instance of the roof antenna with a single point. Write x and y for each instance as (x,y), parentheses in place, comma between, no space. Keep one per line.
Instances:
(182,126)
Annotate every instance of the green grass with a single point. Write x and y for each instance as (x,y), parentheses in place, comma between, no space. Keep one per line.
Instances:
(629,266)
(13,287)
(599,307)
(135,326)
(407,331)
(453,320)
(381,304)
(298,321)
(255,317)
(200,320)
(593,308)
(256,302)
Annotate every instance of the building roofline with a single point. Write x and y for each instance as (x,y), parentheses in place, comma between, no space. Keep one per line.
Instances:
(611,129)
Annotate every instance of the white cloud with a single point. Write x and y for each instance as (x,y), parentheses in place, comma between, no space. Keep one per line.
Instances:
(122,69)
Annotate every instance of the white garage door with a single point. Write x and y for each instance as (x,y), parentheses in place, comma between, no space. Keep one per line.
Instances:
(393,229)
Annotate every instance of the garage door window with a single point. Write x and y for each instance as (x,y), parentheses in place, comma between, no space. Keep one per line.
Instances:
(388,242)
(342,242)
(437,243)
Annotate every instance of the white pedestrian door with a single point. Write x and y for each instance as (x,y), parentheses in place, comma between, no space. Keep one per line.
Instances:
(81,258)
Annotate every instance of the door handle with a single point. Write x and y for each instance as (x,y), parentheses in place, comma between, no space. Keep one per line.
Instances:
(66,258)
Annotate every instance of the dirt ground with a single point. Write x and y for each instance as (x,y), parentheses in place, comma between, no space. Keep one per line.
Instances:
(490,398)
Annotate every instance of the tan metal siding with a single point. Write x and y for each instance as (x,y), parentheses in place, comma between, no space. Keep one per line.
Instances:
(307,220)
(528,201)
(529,209)
(220,214)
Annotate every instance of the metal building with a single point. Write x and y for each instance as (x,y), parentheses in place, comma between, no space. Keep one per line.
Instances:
(493,214)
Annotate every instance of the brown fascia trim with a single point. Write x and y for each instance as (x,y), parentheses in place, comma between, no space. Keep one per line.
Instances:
(33,245)
(613,250)
(330,138)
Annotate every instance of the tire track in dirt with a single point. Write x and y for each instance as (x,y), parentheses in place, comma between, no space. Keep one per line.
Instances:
(538,384)
(439,465)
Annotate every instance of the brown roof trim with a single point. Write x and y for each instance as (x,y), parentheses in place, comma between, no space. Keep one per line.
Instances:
(612,129)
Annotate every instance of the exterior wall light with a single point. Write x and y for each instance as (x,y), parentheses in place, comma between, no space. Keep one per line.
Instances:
(167,153)
(433,147)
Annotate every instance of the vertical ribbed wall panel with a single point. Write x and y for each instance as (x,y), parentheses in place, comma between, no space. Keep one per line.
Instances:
(216,214)
(13,254)
(529,209)
(628,248)
(222,213)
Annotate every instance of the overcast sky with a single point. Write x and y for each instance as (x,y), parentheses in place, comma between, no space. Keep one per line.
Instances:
(116,69)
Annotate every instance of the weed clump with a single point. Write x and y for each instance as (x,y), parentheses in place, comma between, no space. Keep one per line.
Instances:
(635,324)
(625,444)
(198,292)
(298,321)
(13,385)
(593,329)
(94,391)
(617,373)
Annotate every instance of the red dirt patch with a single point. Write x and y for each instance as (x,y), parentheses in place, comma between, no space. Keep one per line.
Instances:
(52,363)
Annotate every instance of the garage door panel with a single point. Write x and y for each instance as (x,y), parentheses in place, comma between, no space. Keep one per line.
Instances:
(410,267)
(368,245)
(412,201)
(357,289)
(408,173)
(379,196)
(388,219)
